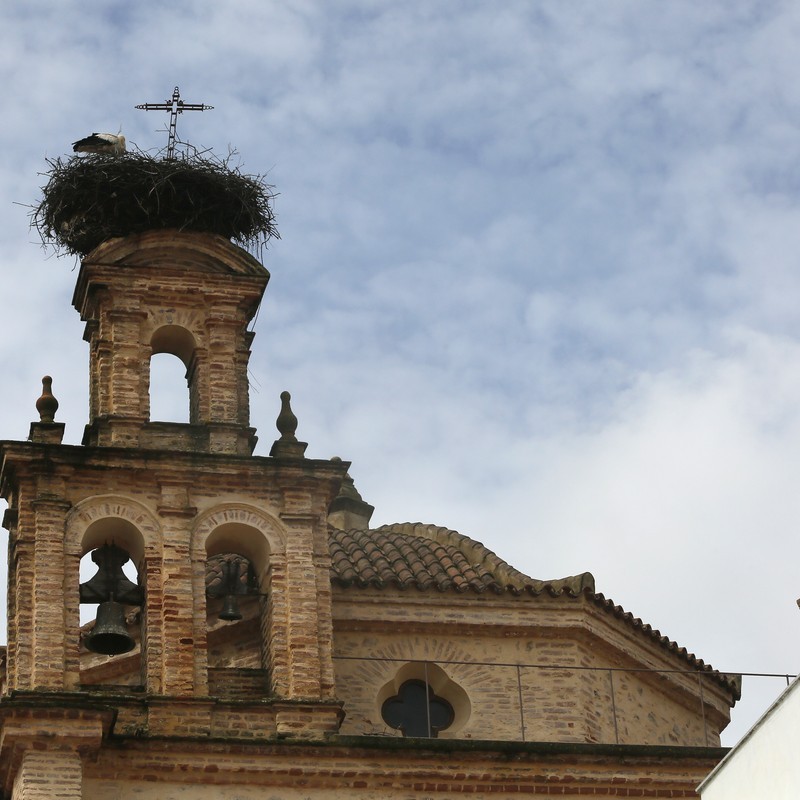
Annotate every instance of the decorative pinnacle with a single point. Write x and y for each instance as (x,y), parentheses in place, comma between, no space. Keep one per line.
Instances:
(287,421)
(47,405)
(348,488)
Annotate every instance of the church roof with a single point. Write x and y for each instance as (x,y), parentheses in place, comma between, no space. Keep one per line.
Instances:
(422,556)
(415,555)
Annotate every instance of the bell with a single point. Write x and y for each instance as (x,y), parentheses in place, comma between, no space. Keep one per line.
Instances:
(230,609)
(110,635)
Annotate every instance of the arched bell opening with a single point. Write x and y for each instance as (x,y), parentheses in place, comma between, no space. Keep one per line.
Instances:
(171,375)
(112,601)
(237,610)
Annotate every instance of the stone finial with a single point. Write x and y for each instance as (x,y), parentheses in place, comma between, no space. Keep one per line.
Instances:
(287,421)
(349,511)
(47,405)
(47,430)
(287,446)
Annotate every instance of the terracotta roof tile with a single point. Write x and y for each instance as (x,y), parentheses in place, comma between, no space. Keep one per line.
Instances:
(729,680)
(428,557)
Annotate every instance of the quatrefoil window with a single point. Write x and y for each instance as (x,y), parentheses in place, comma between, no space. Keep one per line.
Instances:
(416,711)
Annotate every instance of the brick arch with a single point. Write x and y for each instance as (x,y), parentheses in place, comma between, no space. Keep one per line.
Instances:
(111,507)
(176,340)
(88,524)
(189,319)
(244,516)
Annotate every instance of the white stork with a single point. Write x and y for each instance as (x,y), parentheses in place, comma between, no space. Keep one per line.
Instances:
(101,143)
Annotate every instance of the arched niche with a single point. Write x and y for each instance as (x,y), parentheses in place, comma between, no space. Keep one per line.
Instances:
(238,652)
(114,530)
(113,599)
(126,523)
(233,525)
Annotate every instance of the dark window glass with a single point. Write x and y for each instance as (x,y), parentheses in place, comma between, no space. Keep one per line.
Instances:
(417,711)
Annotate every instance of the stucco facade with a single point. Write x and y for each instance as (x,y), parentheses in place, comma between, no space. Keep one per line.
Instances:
(764,763)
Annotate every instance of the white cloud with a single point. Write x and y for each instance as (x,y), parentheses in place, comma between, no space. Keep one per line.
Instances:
(537,274)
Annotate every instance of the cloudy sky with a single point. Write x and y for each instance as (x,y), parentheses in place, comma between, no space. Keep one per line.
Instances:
(538,274)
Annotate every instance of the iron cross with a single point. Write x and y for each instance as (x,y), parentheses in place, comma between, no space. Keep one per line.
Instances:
(175,106)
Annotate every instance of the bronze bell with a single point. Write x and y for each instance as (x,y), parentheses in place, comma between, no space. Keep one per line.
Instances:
(231,576)
(230,609)
(110,635)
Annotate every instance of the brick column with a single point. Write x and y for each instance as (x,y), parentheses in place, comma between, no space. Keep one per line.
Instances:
(221,368)
(129,365)
(301,606)
(42,749)
(49,775)
(178,605)
(48,601)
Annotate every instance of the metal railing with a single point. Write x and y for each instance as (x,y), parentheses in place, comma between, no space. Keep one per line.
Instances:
(556,702)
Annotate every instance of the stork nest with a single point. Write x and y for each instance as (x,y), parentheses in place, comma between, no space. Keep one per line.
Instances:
(89,199)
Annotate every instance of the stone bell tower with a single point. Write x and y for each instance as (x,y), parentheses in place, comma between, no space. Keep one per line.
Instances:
(225,546)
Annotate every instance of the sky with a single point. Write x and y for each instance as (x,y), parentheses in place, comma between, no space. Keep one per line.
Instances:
(537,276)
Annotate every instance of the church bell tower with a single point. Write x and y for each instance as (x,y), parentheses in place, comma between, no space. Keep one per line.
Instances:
(209,566)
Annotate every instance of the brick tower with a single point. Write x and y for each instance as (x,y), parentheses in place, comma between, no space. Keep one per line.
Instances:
(176,499)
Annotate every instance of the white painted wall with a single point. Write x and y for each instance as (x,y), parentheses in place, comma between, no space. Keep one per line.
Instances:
(766,762)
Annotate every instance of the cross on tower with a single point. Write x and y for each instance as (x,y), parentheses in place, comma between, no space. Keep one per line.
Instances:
(175,106)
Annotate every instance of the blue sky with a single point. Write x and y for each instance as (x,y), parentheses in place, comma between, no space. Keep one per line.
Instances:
(538,273)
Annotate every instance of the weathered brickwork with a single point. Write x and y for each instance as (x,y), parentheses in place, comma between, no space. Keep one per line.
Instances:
(552,694)
(49,776)
(185,294)
(545,675)
(332,773)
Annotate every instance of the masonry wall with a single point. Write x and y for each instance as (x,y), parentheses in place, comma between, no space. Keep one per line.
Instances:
(542,673)
(163,515)
(338,772)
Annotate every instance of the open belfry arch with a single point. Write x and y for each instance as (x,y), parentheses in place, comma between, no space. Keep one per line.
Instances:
(253,636)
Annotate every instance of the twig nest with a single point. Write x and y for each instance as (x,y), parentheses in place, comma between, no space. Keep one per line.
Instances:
(88,200)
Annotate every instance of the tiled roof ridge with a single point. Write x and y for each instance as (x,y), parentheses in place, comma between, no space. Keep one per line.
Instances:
(414,554)
(510,578)
(731,682)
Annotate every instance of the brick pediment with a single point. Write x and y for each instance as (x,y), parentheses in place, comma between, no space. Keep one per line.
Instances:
(203,252)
